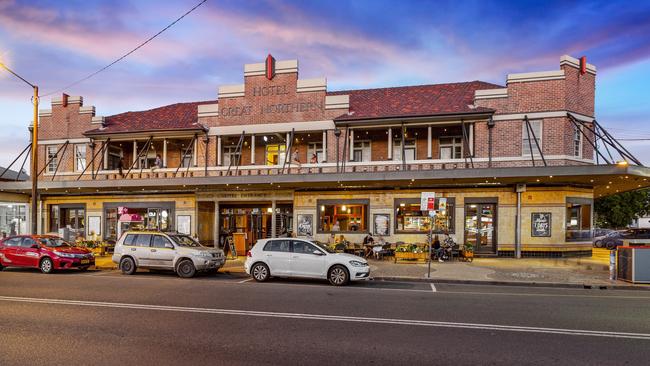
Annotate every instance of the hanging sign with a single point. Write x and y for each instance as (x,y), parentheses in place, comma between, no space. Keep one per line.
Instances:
(428,201)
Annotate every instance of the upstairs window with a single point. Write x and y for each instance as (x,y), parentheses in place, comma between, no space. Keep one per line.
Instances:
(52,158)
(451,147)
(577,142)
(409,149)
(315,148)
(361,151)
(231,156)
(80,157)
(528,145)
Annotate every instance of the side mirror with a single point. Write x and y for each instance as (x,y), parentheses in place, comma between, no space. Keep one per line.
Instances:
(169,246)
(318,252)
(35,246)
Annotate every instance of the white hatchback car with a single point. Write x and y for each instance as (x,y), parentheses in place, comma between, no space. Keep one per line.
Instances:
(287,257)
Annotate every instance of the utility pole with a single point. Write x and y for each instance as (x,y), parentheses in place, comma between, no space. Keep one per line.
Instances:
(34,166)
(34,173)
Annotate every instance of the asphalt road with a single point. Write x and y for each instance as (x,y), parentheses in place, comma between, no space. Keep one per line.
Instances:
(105,318)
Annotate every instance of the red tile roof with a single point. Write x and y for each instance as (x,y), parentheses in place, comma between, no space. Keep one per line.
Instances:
(179,116)
(420,100)
(404,101)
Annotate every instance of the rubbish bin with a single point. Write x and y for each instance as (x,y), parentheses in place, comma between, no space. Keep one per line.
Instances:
(633,264)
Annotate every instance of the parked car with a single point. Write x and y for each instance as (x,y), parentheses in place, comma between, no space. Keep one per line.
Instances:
(166,251)
(598,239)
(284,257)
(46,252)
(611,242)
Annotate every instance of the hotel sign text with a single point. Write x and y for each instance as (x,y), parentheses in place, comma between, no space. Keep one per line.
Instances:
(265,91)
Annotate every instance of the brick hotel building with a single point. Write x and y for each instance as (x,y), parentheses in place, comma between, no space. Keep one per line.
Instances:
(509,165)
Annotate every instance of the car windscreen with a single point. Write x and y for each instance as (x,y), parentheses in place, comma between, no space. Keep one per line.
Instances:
(324,247)
(54,242)
(184,241)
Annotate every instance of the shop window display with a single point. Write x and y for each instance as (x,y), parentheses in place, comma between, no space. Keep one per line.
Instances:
(123,218)
(578,219)
(410,219)
(343,216)
(13,219)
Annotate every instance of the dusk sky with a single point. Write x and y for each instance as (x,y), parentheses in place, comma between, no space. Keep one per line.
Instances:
(355,44)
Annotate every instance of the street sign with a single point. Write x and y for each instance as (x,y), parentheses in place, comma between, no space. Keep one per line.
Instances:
(428,201)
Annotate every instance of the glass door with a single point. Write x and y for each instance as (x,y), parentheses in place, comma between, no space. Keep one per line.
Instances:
(480,224)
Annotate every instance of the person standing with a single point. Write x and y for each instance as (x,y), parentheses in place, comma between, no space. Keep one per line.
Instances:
(294,158)
(157,163)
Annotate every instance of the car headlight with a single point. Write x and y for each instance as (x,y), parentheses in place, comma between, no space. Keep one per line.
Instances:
(358,263)
(64,255)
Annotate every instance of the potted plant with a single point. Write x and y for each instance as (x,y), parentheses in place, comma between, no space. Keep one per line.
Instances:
(468,251)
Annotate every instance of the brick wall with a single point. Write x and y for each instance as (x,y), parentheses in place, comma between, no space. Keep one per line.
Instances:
(65,122)
(573,93)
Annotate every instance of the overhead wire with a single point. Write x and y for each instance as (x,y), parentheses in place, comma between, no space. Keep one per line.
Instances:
(125,55)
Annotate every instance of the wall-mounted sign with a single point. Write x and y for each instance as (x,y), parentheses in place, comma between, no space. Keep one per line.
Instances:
(305,225)
(382,224)
(428,201)
(540,224)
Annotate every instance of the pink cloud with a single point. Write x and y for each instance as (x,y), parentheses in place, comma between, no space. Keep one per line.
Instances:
(72,32)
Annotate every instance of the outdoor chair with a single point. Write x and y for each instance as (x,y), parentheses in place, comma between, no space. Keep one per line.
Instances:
(386,251)
(455,252)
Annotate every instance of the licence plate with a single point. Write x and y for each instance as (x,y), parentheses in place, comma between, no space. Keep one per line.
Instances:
(85,261)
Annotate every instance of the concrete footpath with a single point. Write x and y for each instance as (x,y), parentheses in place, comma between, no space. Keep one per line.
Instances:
(591,272)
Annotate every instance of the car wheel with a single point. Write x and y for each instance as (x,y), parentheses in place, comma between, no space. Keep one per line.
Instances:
(338,276)
(46,266)
(598,244)
(186,269)
(1,267)
(127,265)
(611,245)
(260,272)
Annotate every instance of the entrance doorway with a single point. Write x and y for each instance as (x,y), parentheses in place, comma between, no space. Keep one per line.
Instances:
(480,227)
(248,222)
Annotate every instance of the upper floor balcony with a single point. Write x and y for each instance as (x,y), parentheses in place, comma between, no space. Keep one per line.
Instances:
(336,148)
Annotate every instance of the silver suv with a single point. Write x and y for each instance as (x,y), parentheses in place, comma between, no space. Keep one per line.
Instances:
(155,250)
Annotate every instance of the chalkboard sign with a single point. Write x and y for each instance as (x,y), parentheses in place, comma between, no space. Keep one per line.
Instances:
(540,224)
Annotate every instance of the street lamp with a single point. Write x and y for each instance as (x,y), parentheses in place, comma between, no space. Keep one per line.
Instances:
(34,167)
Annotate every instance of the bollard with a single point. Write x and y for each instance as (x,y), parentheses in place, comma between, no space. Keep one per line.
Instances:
(612,264)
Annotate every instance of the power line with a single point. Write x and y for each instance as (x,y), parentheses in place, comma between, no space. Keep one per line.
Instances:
(127,54)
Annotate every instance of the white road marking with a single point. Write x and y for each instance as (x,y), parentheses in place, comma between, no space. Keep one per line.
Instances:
(433,287)
(246,280)
(339,318)
(542,294)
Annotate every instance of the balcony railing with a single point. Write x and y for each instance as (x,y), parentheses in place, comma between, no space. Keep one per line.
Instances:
(309,168)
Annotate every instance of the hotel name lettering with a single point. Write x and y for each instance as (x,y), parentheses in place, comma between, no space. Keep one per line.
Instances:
(265,91)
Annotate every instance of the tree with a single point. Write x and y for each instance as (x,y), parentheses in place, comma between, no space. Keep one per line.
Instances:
(617,211)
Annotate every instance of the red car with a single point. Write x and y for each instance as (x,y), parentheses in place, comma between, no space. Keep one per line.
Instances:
(45,252)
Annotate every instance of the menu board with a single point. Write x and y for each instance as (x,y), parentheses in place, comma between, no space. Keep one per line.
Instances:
(540,224)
